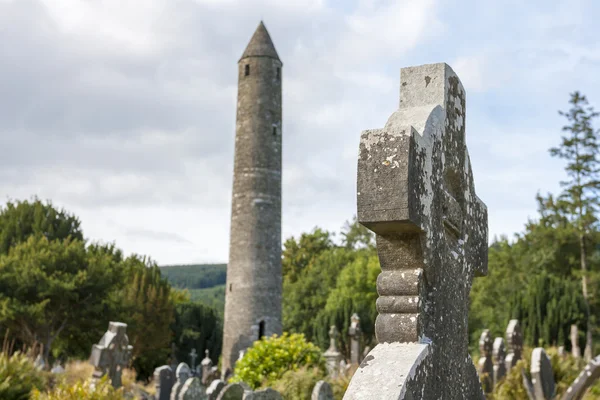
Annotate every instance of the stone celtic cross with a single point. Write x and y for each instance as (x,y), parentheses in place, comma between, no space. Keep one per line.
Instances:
(416,192)
(111,354)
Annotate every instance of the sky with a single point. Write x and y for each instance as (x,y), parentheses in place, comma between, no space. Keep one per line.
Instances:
(123,112)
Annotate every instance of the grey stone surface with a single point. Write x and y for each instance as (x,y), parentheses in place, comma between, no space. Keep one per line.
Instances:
(214,389)
(416,192)
(266,394)
(514,343)
(164,379)
(542,377)
(485,367)
(182,374)
(499,359)
(192,390)
(254,282)
(233,391)
(528,386)
(332,355)
(206,367)
(355,335)
(322,391)
(575,349)
(193,357)
(587,377)
(111,354)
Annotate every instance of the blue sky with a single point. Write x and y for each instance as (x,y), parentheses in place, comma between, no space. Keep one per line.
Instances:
(123,111)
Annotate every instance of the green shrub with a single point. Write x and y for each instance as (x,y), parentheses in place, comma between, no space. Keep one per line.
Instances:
(269,359)
(18,377)
(81,391)
(298,385)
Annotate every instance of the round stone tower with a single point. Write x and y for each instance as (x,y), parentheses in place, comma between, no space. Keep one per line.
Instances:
(254,283)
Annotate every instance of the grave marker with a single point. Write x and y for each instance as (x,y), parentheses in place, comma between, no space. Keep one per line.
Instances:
(416,192)
(514,341)
(485,366)
(164,380)
(499,359)
(322,391)
(111,354)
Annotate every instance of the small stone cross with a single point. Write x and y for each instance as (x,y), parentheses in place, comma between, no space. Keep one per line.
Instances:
(355,334)
(193,357)
(332,355)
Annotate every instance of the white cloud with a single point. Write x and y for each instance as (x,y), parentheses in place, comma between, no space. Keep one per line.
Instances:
(124,111)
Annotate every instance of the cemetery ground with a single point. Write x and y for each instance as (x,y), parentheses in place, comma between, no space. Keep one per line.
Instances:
(532,322)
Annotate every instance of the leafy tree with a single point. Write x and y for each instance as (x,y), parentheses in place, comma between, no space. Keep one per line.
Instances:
(298,254)
(356,236)
(547,308)
(197,327)
(355,292)
(18,377)
(305,297)
(147,305)
(269,359)
(46,286)
(21,219)
(579,200)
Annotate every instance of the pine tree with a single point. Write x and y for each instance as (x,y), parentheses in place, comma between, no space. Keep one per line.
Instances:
(579,199)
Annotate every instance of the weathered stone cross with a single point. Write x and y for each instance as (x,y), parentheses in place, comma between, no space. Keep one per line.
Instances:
(193,357)
(111,354)
(416,192)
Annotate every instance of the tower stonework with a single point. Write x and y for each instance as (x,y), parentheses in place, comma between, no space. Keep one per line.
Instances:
(254,281)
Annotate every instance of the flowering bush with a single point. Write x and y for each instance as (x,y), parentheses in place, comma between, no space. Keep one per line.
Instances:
(267,360)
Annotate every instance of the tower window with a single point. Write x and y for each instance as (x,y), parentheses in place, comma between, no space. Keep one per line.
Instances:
(230,286)
(261,329)
(278,73)
(274,131)
(247,70)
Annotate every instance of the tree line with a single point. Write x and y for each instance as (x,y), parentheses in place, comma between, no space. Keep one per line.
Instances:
(58,291)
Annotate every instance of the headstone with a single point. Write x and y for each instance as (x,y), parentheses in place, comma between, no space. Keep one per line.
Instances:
(214,389)
(111,354)
(575,349)
(266,394)
(542,377)
(192,390)
(182,374)
(499,359)
(164,379)
(561,352)
(416,192)
(233,391)
(528,385)
(57,369)
(355,334)
(587,377)
(206,366)
(514,342)
(173,361)
(485,366)
(322,391)
(193,357)
(332,355)
(39,362)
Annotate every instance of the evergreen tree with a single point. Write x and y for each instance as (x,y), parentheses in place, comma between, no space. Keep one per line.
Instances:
(579,200)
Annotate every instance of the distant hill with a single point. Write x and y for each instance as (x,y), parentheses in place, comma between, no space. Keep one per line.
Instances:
(197,276)
(205,282)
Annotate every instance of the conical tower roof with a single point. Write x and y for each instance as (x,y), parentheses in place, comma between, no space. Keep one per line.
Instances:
(261,44)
